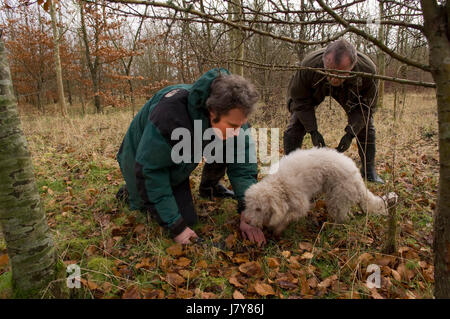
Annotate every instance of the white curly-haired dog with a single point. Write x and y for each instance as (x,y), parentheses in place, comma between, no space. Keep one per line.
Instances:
(285,196)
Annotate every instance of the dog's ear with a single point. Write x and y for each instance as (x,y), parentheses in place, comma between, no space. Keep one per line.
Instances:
(277,214)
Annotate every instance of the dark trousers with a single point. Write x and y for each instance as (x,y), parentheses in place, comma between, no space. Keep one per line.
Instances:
(295,132)
(211,175)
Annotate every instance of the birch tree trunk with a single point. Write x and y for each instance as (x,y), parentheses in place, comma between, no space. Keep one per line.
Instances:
(59,80)
(437,31)
(22,219)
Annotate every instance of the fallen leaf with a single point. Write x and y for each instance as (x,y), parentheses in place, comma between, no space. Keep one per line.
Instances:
(66,262)
(208,295)
(429,274)
(182,261)
(175,279)
(238,295)
(91,250)
(327,282)
(90,284)
(230,241)
(251,269)
(106,287)
(146,264)
(241,258)
(153,294)
(175,250)
(139,229)
(286,254)
(307,255)
(264,289)
(285,284)
(375,295)
(132,292)
(188,274)
(184,293)
(304,287)
(273,262)
(405,273)
(293,262)
(385,260)
(235,282)
(312,282)
(365,259)
(201,264)
(396,275)
(305,246)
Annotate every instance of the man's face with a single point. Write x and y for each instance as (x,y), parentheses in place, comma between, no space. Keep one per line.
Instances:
(229,124)
(344,65)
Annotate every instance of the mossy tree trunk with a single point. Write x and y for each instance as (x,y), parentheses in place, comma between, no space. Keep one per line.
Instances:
(22,219)
(437,31)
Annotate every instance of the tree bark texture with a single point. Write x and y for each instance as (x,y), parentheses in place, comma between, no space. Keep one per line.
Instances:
(437,32)
(23,221)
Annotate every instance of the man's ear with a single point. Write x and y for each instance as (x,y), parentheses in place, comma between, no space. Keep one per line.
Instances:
(212,115)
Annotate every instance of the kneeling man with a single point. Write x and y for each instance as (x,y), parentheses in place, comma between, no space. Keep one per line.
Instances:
(157,176)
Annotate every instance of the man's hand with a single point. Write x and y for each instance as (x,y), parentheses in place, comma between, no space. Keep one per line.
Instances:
(317,139)
(184,236)
(345,143)
(254,234)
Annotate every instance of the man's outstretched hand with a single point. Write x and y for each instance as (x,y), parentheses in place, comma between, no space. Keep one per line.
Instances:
(184,236)
(317,139)
(345,143)
(252,233)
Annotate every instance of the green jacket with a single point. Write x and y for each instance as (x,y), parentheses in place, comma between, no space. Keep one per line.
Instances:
(357,96)
(145,154)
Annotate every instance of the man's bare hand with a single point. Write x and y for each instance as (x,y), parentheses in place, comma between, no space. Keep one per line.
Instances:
(184,236)
(252,233)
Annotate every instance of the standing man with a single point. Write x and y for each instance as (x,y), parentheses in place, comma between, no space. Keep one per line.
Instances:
(157,181)
(357,96)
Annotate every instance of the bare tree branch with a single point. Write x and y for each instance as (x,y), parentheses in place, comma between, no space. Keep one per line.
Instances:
(372,39)
(170,5)
(326,72)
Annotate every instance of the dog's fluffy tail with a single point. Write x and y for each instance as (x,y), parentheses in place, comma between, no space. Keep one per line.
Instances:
(370,203)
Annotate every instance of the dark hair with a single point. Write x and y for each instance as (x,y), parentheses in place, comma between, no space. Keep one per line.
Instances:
(229,92)
(340,48)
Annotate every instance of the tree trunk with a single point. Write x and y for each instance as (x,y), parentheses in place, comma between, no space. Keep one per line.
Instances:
(237,37)
(59,80)
(437,32)
(29,244)
(381,60)
(69,92)
(92,65)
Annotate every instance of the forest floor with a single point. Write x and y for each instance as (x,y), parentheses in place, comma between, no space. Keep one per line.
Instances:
(124,254)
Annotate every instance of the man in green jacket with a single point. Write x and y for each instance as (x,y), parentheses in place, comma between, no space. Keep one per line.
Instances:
(357,96)
(156,169)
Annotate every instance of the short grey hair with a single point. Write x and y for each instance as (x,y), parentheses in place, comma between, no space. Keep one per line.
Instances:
(229,92)
(340,48)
